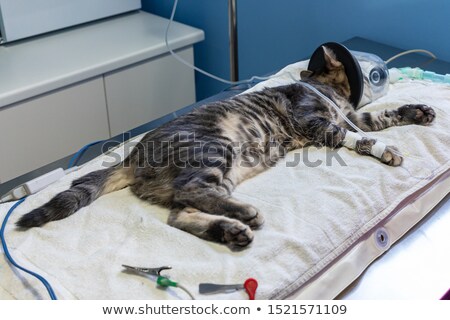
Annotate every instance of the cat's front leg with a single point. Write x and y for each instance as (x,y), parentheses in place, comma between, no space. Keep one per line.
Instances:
(408,114)
(389,155)
(332,135)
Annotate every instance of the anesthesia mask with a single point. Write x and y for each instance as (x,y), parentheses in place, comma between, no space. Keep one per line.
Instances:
(367,73)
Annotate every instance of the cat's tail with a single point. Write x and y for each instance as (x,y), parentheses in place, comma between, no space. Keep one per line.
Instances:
(82,192)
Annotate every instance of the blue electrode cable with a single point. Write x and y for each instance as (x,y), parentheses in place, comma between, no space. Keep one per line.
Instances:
(73,161)
(77,156)
(13,262)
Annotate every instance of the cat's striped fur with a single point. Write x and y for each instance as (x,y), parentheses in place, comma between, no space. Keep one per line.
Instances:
(192,164)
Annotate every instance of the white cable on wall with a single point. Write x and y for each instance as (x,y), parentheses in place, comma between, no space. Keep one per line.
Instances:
(176,56)
(431,54)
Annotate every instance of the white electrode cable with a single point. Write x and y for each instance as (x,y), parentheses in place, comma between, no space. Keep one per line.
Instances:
(431,54)
(254,78)
(176,56)
(186,290)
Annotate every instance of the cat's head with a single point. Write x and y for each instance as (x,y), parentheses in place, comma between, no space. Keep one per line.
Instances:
(332,73)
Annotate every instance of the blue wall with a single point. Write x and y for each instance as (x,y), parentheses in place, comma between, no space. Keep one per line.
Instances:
(278,32)
(211,54)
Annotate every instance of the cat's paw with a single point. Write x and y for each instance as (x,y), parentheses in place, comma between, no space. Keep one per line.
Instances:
(236,235)
(416,114)
(391,156)
(251,217)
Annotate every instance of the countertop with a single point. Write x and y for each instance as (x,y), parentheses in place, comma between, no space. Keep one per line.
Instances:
(38,65)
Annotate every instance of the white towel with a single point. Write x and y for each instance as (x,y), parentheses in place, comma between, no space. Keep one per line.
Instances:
(313,214)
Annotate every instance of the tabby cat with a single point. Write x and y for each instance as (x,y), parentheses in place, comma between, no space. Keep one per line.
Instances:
(192,164)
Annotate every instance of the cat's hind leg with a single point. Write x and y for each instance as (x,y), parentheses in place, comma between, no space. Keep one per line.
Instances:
(215,228)
(209,191)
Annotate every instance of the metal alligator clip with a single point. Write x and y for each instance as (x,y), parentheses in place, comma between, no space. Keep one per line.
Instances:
(250,285)
(162,281)
(152,271)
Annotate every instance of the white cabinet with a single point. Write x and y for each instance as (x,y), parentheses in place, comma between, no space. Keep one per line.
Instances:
(61,91)
(49,127)
(148,90)
(24,18)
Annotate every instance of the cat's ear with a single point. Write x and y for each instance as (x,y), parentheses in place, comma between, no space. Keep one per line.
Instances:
(330,59)
(305,74)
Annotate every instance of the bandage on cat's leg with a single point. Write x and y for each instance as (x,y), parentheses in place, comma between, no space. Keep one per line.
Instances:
(350,139)
(391,156)
(368,146)
(364,145)
(210,227)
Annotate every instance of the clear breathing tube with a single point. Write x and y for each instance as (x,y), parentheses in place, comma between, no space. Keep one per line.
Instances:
(331,102)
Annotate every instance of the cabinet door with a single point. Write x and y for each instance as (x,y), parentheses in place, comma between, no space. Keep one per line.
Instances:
(24,18)
(50,127)
(149,90)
